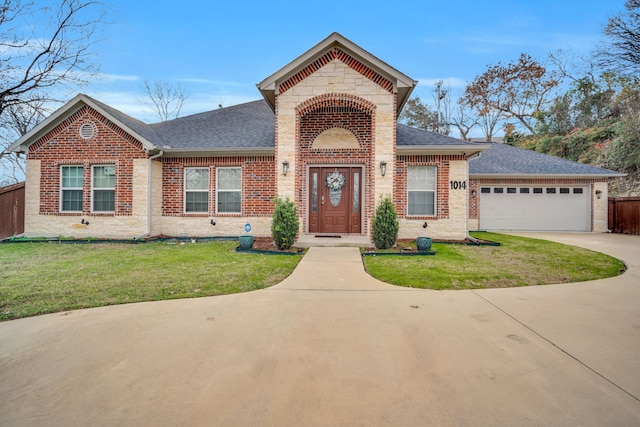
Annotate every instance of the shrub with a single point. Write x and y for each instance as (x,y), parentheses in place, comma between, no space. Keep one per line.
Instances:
(284,226)
(385,224)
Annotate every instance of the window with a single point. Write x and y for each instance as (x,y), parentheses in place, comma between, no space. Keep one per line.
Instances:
(537,190)
(71,188)
(485,190)
(229,195)
(524,190)
(577,191)
(196,190)
(564,191)
(511,190)
(103,189)
(498,190)
(551,191)
(422,190)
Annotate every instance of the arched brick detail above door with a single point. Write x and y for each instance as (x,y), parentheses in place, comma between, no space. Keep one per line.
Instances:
(335,100)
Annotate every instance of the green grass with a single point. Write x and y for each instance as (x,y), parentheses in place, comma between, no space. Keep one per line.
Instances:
(39,278)
(517,262)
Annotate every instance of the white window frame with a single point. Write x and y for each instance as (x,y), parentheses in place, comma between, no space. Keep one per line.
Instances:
(195,190)
(63,189)
(227,190)
(93,188)
(434,190)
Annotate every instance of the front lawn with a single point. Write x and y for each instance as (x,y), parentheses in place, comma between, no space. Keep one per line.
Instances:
(38,278)
(518,261)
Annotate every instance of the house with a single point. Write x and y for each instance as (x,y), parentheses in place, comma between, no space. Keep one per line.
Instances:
(325,135)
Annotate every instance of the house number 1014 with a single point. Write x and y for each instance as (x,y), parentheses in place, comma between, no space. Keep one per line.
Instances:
(458,185)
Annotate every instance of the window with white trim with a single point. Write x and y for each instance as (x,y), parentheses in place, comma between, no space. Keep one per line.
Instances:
(421,185)
(71,181)
(196,190)
(103,188)
(229,190)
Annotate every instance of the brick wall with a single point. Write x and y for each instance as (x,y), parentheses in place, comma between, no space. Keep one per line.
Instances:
(258,183)
(442,195)
(334,111)
(63,145)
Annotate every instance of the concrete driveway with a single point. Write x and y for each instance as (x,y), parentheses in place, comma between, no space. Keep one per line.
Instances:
(330,346)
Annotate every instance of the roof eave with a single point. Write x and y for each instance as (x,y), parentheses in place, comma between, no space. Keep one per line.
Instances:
(403,84)
(218,152)
(467,149)
(544,175)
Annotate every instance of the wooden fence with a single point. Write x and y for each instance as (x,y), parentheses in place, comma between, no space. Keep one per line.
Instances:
(624,215)
(12,210)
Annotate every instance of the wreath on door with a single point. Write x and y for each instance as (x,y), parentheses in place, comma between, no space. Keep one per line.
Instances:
(335,180)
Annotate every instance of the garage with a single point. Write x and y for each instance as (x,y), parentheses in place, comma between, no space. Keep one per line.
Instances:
(534,208)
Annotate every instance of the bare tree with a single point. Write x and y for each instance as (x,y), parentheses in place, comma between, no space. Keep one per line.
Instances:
(165,99)
(623,31)
(463,119)
(489,119)
(16,121)
(43,50)
(442,100)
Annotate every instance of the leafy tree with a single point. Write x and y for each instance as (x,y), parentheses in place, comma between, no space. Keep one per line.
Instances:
(385,224)
(417,114)
(284,225)
(518,90)
(43,50)
(623,31)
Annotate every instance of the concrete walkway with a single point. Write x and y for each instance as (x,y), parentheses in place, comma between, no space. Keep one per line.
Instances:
(330,346)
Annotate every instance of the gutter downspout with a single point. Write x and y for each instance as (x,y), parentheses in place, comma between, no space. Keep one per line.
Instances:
(473,156)
(149,204)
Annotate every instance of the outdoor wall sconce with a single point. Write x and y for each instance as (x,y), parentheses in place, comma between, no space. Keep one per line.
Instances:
(383,168)
(473,193)
(598,193)
(285,167)
(213,222)
(84,222)
(424,225)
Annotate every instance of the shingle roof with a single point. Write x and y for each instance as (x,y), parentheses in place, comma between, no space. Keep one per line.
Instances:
(143,129)
(504,159)
(407,136)
(249,125)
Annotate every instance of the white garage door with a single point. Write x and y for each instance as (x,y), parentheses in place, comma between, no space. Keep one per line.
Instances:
(540,208)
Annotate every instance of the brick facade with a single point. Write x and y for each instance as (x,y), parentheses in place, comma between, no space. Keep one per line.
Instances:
(334,111)
(63,146)
(258,184)
(400,192)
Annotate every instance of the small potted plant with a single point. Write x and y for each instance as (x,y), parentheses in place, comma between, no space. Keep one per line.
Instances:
(423,244)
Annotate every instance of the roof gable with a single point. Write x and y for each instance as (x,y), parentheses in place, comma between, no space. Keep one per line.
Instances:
(338,47)
(137,129)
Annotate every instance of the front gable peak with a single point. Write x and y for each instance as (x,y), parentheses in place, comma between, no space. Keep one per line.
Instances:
(337,47)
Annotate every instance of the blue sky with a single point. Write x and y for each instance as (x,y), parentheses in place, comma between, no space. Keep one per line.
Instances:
(219,50)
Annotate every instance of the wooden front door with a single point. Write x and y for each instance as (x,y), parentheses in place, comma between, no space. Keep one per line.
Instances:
(335,200)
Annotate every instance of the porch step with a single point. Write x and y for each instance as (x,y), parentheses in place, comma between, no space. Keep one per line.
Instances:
(309,241)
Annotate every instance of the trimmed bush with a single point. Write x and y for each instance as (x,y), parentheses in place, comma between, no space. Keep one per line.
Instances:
(284,226)
(385,224)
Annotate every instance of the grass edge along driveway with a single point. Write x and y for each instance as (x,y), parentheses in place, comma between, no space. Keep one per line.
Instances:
(40,278)
(518,261)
